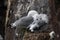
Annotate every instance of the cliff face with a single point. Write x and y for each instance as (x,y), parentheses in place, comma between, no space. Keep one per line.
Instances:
(20,8)
(24,6)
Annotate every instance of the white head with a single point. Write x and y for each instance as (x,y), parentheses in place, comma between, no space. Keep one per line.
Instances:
(32,12)
(44,17)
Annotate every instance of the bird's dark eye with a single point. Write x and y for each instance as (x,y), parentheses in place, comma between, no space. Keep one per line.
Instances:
(36,19)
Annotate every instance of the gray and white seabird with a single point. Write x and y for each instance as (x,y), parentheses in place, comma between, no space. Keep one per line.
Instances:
(26,20)
(32,20)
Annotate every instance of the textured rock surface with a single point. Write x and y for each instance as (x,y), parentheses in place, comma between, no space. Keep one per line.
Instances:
(24,7)
(20,8)
(36,36)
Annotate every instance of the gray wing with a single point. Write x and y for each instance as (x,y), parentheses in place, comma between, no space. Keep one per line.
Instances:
(41,23)
(37,23)
(24,21)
